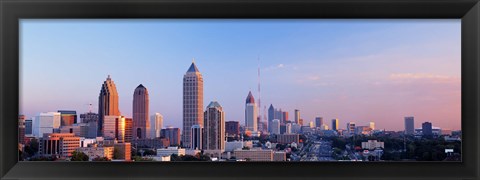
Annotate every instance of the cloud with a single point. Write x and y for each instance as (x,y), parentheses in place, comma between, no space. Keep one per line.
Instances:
(408,77)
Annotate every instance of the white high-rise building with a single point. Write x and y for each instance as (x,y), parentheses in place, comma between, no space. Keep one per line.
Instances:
(250,113)
(156,125)
(275,126)
(192,102)
(45,123)
(288,128)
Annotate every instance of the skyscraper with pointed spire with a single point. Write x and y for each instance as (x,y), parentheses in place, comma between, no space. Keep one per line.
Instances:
(192,102)
(250,113)
(141,119)
(107,103)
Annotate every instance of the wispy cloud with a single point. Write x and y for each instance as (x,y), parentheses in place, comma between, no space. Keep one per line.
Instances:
(436,78)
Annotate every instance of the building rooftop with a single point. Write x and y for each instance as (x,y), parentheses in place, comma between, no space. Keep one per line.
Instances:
(250,98)
(193,68)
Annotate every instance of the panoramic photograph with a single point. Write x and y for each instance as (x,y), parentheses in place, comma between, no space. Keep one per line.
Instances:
(240,90)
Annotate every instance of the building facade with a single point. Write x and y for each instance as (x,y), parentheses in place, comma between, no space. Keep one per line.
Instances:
(173,135)
(61,145)
(214,128)
(141,118)
(45,123)
(254,155)
(275,126)
(288,138)
(335,124)
(156,125)
(68,117)
(197,137)
(297,116)
(409,125)
(114,128)
(250,113)
(232,128)
(107,103)
(318,122)
(192,102)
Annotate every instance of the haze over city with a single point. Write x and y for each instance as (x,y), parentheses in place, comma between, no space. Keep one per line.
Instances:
(353,70)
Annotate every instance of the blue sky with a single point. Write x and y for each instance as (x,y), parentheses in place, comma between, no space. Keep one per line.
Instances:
(354,70)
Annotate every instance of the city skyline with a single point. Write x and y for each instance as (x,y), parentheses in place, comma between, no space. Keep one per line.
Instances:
(416,85)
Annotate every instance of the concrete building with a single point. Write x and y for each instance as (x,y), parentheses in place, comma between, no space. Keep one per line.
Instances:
(351,128)
(45,123)
(297,116)
(275,126)
(254,155)
(279,156)
(156,125)
(318,122)
(192,102)
(427,129)
(288,128)
(232,128)
(214,129)
(372,144)
(288,138)
(173,134)
(250,113)
(28,127)
(61,145)
(97,152)
(107,103)
(197,134)
(92,120)
(141,118)
(80,130)
(233,145)
(335,124)
(67,117)
(171,150)
(409,125)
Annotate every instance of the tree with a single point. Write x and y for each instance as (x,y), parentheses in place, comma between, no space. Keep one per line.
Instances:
(100,159)
(79,156)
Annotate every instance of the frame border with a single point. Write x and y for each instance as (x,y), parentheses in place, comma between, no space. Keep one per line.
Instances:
(11,11)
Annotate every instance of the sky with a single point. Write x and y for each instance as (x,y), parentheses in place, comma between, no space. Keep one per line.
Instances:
(354,70)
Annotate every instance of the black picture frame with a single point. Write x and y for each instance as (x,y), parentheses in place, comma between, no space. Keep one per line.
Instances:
(466,10)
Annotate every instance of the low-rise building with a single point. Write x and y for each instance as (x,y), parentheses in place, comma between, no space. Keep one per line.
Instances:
(97,152)
(372,144)
(61,145)
(254,155)
(170,150)
(279,156)
(288,138)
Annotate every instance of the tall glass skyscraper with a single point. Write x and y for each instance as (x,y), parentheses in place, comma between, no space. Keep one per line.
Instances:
(107,103)
(192,103)
(141,119)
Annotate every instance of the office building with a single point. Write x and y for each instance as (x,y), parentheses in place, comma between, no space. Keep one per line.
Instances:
(128,130)
(275,126)
(271,116)
(173,135)
(318,122)
(297,117)
(21,129)
(351,128)
(214,129)
(97,152)
(80,130)
(28,127)
(107,103)
(288,138)
(335,124)
(171,150)
(152,143)
(197,134)
(232,128)
(192,102)
(124,151)
(372,144)
(67,117)
(427,129)
(114,128)
(254,155)
(61,145)
(288,128)
(141,118)
(45,123)
(156,125)
(409,125)
(284,117)
(92,120)
(250,113)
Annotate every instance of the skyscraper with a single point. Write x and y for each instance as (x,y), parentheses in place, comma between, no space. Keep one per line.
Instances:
(285,117)
(91,119)
(271,116)
(297,116)
(275,126)
(173,134)
(192,102)
(214,129)
(334,124)
(114,128)
(156,125)
(250,113)
(128,129)
(427,129)
(141,119)
(409,125)
(107,103)
(197,133)
(232,128)
(318,121)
